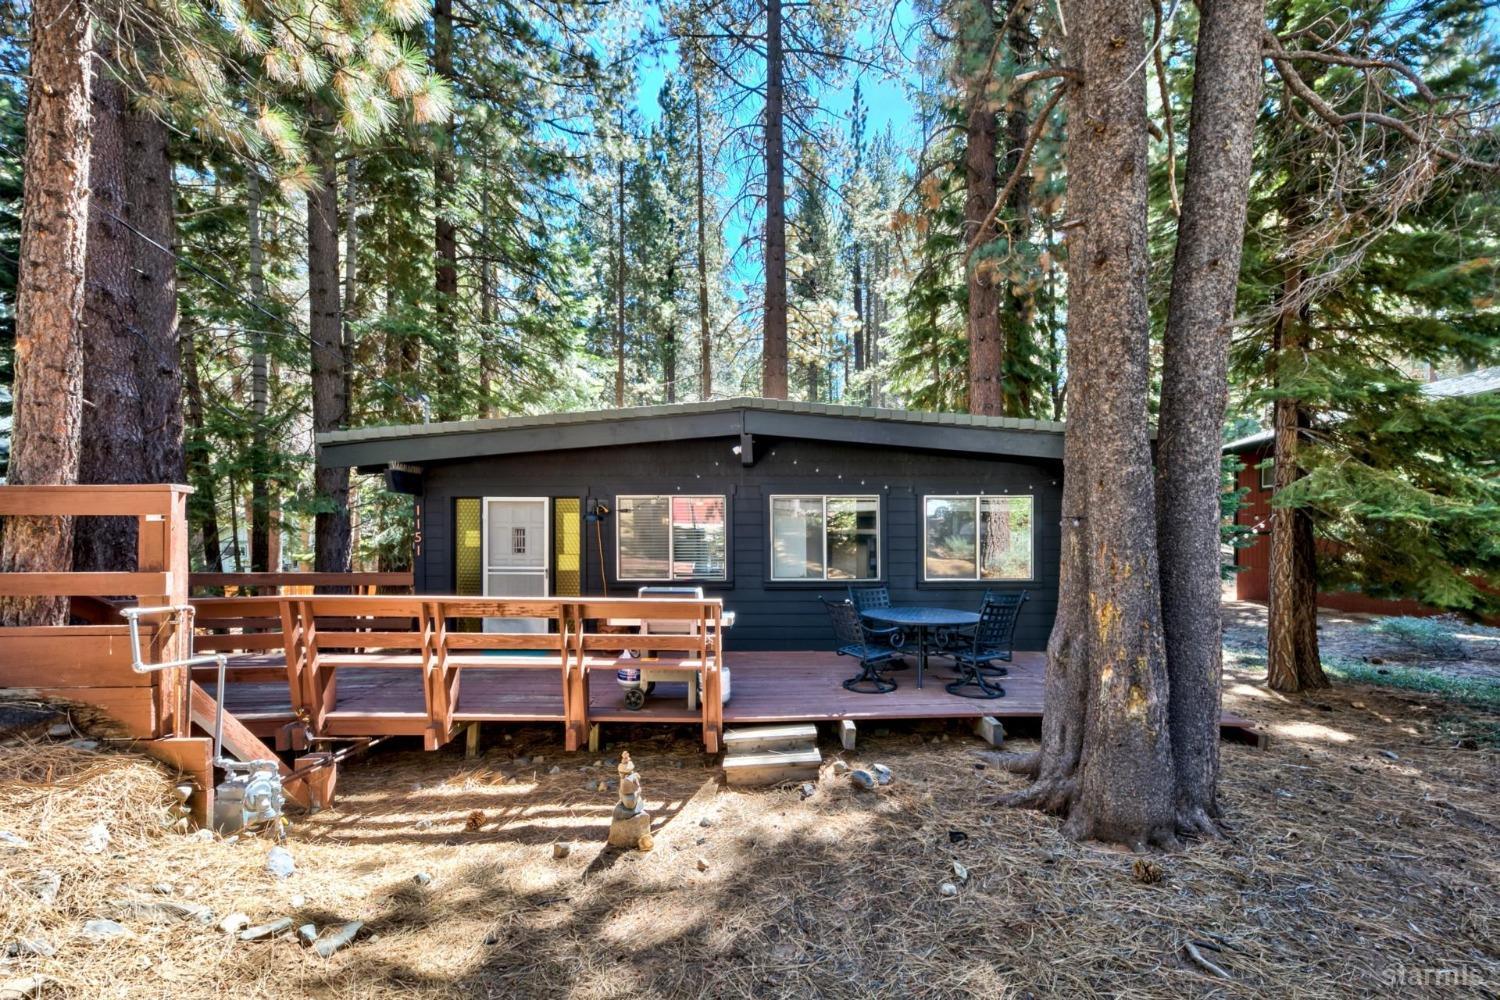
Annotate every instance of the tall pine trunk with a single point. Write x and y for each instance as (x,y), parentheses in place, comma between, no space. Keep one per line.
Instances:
(152,196)
(1016,319)
(331,547)
(705,336)
(448,392)
(1106,758)
(48,386)
(203,504)
(1200,313)
(112,444)
(260,390)
(981,134)
(619,210)
(1293,660)
(773,377)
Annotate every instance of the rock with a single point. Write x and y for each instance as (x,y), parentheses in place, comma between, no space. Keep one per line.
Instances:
(263,931)
(862,779)
(202,836)
(561,849)
(555,770)
(538,759)
(702,865)
(83,744)
(882,773)
(807,790)
(705,821)
(298,901)
(627,831)
(307,933)
(12,841)
(1389,755)
(25,988)
(422,878)
(99,929)
(840,768)
(279,862)
(960,871)
(234,923)
(162,889)
(59,730)
(29,948)
(948,889)
(96,838)
(422,824)
(44,886)
(522,761)
(164,911)
(338,939)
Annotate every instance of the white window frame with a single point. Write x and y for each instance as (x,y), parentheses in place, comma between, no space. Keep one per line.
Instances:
(1266,470)
(825,497)
(671,543)
(978,576)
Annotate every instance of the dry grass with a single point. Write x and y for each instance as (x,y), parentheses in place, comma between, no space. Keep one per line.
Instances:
(1346,871)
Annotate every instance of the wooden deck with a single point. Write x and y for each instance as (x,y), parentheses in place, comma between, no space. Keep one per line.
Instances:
(766,687)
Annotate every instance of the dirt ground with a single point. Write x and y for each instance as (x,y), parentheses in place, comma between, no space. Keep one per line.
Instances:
(1361,861)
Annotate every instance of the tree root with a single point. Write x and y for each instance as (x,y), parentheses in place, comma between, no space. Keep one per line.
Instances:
(1029,764)
(1195,823)
(1048,795)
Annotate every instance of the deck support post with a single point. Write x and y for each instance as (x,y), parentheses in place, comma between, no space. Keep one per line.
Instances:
(594,738)
(990,730)
(471,740)
(319,782)
(846,733)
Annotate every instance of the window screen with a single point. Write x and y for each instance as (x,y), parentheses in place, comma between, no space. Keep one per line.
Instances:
(671,538)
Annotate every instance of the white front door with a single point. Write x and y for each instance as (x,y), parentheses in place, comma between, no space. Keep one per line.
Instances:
(516,556)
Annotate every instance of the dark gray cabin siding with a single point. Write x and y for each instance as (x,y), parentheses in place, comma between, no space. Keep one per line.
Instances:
(770,615)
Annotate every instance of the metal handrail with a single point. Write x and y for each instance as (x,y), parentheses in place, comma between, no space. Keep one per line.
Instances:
(185,613)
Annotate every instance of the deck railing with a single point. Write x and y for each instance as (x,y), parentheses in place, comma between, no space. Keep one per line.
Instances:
(319,636)
(254,584)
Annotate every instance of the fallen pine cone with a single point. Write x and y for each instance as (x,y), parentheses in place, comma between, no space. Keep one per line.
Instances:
(1147,872)
(477,819)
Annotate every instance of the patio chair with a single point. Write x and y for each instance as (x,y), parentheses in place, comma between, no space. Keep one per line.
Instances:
(862,642)
(990,641)
(865,598)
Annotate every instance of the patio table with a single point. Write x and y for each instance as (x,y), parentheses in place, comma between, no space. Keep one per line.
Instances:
(921,620)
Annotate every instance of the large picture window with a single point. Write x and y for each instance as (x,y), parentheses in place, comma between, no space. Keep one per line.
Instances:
(670,538)
(977,538)
(825,538)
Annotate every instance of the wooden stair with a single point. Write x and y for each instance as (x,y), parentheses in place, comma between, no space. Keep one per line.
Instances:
(771,755)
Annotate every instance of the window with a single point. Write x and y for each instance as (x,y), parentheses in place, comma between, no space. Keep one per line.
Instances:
(825,538)
(1268,474)
(670,538)
(977,538)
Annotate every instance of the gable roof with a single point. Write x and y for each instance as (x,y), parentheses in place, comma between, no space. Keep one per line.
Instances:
(775,418)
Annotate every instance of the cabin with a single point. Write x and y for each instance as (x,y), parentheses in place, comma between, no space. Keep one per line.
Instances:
(767,504)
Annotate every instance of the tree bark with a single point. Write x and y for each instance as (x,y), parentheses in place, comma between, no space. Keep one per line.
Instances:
(446,270)
(1106,758)
(203,502)
(773,377)
(486,303)
(152,198)
(1200,313)
(260,389)
(113,443)
(981,185)
(1016,321)
(1293,660)
(330,406)
(705,336)
(48,383)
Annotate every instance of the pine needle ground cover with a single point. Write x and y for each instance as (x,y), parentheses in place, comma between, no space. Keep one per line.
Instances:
(1361,862)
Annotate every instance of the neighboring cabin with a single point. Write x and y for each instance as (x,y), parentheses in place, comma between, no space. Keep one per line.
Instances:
(766,503)
(1257,451)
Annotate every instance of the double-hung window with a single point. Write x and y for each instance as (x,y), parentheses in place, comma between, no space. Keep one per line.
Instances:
(671,538)
(977,538)
(825,538)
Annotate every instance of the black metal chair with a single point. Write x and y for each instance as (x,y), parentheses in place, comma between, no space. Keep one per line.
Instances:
(991,640)
(862,642)
(866,598)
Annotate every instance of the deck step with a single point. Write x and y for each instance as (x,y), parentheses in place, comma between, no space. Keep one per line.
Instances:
(762,739)
(772,768)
